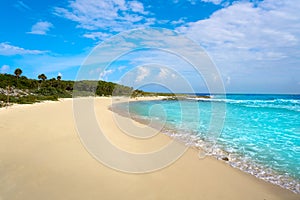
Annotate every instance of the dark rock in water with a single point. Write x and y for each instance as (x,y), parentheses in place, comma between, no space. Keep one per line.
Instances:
(225,158)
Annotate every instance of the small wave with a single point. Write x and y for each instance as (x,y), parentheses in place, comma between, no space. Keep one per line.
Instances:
(248,157)
(288,104)
(237,161)
(246,101)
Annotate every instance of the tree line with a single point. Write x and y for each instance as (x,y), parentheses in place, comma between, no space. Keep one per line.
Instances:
(55,88)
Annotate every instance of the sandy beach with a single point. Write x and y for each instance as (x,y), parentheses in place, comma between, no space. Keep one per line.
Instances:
(42,157)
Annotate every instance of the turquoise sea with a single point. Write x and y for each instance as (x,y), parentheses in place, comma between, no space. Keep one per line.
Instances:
(260,134)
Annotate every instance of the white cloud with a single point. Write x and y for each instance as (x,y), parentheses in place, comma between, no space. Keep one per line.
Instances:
(179,48)
(142,73)
(213,1)
(105,73)
(121,68)
(96,35)
(105,15)
(136,6)
(178,22)
(4,69)
(193,2)
(41,28)
(157,76)
(228,80)
(22,6)
(100,73)
(59,74)
(258,39)
(163,73)
(243,30)
(7,49)
(95,71)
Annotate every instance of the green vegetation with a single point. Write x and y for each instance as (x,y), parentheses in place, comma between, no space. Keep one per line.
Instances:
(29,99)
(20,89)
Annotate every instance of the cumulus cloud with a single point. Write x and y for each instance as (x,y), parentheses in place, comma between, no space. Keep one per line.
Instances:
(262,31)
(257,39)
(105,73)
(142,73)
(163,73)
(166,74)
(105,15)
(4,69)
(7,49)
(41,28)
(136,6)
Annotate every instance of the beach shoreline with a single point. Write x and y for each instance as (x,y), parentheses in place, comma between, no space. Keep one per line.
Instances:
(217,152)
(43,157)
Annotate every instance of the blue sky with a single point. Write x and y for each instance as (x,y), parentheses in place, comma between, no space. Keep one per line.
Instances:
(255,44)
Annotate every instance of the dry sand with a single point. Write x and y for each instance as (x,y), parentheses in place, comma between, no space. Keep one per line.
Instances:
(42,157)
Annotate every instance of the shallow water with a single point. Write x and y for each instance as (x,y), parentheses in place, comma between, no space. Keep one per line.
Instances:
(260,134)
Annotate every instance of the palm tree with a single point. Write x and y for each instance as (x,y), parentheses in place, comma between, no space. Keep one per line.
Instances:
(18,72)
(42,77)
(58,79)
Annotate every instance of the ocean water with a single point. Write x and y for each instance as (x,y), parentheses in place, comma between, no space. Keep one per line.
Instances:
(260,134)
